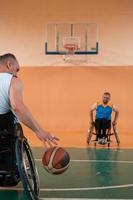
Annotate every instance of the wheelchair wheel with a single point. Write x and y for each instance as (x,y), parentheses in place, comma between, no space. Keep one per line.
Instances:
(27,169)
(89,136)
(116,135)
(90,132)
(109,144)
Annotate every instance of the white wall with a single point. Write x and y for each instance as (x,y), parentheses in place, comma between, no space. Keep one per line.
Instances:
(22,28)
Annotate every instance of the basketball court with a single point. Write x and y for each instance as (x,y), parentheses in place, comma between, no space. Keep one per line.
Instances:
(70,53)
(93,174)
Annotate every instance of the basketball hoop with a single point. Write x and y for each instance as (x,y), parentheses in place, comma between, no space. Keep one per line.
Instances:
(70,48)
(71,45)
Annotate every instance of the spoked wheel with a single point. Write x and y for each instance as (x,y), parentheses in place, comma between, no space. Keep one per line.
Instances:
(116,135)
(90,132)
(108,141)
(89,136)
(108,144)
(27,169)
(108,137)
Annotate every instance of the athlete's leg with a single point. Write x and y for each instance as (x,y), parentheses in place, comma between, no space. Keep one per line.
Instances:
(106,124)
(98,127)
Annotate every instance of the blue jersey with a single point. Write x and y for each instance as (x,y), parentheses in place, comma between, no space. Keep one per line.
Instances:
(104,111)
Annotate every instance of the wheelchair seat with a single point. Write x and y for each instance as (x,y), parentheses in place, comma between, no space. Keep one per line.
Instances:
(17,162)
(9,175)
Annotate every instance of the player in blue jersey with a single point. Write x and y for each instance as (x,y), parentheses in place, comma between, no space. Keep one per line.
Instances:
(102,120)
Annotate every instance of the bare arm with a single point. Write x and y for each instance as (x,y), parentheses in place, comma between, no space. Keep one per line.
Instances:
(23,113)
(93,108)
(116,115)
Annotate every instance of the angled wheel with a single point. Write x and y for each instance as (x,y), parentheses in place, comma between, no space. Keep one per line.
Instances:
(108,134)
(27,169)
(109,144)
(89,137)
(108,137)
(116,135)
(90,132)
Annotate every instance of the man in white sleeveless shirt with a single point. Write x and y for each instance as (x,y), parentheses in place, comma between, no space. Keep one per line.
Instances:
(11,100)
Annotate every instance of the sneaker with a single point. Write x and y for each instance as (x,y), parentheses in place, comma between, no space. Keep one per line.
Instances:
(104,140)
(100,140)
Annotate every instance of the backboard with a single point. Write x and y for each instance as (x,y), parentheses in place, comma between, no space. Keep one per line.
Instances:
(81,38)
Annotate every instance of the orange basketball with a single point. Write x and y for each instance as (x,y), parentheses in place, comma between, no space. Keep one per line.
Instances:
(56,160)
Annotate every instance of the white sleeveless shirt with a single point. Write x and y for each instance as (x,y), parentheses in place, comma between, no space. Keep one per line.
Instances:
(5,81)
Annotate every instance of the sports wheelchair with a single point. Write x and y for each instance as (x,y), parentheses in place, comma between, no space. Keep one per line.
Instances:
(107,141)
(17,162)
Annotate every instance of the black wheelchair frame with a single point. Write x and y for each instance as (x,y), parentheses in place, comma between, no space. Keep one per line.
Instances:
(17,163)
(91,132)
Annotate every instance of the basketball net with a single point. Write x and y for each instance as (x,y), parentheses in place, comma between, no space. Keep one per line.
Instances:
(71,45)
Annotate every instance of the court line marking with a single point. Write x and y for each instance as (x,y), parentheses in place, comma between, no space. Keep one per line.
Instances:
(73,189)
(103,161)
(77,189)
(88,188)
(78,199)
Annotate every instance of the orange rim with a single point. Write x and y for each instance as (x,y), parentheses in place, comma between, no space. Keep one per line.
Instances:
(71,47)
